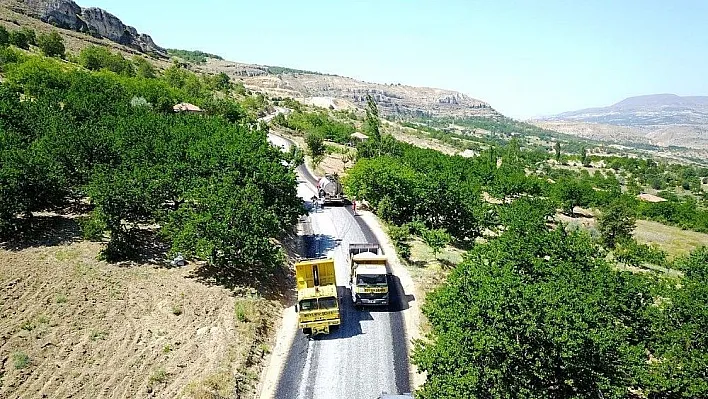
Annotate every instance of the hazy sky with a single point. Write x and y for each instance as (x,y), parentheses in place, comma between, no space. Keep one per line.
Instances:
(526,58)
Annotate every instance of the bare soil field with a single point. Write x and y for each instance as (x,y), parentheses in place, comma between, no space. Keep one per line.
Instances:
(73,326)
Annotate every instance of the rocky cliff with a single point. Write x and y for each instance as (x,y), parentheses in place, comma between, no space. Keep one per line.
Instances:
(95,21)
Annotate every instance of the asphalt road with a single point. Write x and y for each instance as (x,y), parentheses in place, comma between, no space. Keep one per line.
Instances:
(367,354)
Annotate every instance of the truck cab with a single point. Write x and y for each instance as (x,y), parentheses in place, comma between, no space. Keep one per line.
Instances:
(369,275)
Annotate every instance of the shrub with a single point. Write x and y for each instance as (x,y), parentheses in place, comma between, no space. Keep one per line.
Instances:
(20,360)
(19,39)
(4,36)
(52,45)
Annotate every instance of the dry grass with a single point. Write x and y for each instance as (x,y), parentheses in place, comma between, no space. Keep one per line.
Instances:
(429,271)
(72,326)
(671,239)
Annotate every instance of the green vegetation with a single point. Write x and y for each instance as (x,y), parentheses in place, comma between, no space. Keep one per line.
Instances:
(20,360)
(539,309)
(319,123)
(4,36)
(196,56)
(213,184)
(276,70)
(52,44)
(95,58)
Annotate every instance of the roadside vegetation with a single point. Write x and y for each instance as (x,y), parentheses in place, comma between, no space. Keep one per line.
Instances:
(538,308)
(210,185)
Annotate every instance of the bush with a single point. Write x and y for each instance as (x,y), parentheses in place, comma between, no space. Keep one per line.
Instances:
(20,39)
(52,45)
(4,36)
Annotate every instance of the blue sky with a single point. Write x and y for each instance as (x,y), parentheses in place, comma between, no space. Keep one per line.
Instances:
(526,58)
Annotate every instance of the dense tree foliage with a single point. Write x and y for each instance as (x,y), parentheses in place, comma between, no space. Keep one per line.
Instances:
(52,44)
(319,123)
(534,315)
(212,184)
(195,56)
(617,222)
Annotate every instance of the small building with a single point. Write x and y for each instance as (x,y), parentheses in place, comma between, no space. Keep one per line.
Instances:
(187,107)
(358,137)
(650,198)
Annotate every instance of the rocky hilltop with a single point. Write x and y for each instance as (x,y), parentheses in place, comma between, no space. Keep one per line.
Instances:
(393,99)
(95,21)
(658,119)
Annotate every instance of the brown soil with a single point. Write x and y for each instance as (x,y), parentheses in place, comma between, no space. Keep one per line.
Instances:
(72,326)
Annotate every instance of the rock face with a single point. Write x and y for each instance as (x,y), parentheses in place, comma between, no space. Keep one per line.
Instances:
(95,21)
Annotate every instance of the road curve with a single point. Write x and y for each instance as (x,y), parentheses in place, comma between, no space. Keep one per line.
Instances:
(367,354)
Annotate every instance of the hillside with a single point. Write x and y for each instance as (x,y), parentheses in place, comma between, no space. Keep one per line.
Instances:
(660,119)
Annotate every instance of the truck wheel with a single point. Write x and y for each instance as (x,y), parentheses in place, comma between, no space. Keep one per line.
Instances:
(307,331)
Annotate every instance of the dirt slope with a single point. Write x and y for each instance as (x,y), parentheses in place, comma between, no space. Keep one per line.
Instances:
(71,326)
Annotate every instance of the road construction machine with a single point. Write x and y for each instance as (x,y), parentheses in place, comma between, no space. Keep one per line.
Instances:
(369,275)
(330,189)
(317,298)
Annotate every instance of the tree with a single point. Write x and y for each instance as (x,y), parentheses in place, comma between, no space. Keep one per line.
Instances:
(315,144)
(19,38)
(222,82)
(584,158)
(52,44)
(30,34)
(372,123)
(572,193)
(436,239)
(4,36)
(617,223)
(557,148)
(143,68)
(546,318)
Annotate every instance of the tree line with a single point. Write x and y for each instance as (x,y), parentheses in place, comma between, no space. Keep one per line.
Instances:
(538,309)
(210,186)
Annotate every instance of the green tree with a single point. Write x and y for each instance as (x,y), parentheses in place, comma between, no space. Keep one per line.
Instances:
(584,158)
(315,144)
(19,38)
(541,318)
(372,123)
(557,149)
(30,34)
(143,68)
(436,239)
(617,223)
(52,44)
(4,36)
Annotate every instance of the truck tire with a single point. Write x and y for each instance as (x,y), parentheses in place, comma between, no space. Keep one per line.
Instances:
(307,331)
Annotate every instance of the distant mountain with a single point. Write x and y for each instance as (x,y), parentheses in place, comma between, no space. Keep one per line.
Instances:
(659,119)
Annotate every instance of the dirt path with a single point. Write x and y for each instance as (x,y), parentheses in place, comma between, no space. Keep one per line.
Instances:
(72,326)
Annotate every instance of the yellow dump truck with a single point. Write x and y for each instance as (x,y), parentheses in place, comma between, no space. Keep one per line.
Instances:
(317,299)
(369,275)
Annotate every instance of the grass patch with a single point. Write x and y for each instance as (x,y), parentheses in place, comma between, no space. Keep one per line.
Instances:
(98,335)
(20,360)
(27,325)
(61,298)
(177,309)
(244,310)
(167,349)
(672,240)
(65,255)
(219,385)
(158,377)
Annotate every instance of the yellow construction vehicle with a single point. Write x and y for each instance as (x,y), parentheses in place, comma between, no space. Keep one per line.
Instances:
(317,298)
(369,275)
